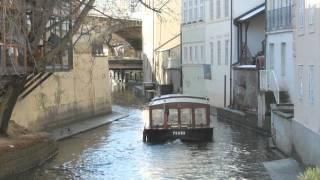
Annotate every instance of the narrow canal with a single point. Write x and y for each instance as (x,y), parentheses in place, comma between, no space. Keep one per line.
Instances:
(116,151)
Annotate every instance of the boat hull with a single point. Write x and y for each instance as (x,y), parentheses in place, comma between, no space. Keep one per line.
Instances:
(188,134)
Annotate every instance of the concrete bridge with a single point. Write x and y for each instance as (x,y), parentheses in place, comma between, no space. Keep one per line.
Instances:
(124,63)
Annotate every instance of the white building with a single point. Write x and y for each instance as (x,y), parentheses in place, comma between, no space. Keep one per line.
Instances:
(193,48)
(277,80)
(279,49)
(306,123)
(206,46)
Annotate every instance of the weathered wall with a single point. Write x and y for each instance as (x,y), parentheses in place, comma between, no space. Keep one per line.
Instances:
(68,96)
(245,89)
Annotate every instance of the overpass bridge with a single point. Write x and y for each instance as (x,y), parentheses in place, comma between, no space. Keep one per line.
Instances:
(123,69)
(124,63)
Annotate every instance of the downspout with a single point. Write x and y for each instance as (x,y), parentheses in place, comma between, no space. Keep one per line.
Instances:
(181,72)
(153,69)
(231,51)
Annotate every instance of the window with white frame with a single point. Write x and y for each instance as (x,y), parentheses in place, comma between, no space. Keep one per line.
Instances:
(219,52)
(226,8)
(311,84)
(191,54)
(190,10)
(202,54)
(211,53)
(283,58)
(301,13)
(185,11)
(226,52)
(271,56)
(202,10)
(218,9)
(300,78)
(195,7)
(196,54)
(185,55)
(312,15)
(211,9)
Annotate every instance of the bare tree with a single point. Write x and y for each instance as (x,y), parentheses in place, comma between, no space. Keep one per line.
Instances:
(29,24)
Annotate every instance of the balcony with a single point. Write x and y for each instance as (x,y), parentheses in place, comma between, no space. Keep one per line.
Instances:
(13,60)
(279,19)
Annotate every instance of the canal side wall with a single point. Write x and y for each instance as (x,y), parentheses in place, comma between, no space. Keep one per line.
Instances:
(25,152)
(294,139)
(244,119)
(67,97)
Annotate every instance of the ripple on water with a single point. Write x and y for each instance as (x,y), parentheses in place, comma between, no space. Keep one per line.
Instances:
(116,151)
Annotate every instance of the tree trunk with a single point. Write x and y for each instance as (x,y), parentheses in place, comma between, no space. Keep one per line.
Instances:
(13,88)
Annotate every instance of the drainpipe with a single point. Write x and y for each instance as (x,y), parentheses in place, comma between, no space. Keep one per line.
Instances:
(181,72)
(231,50)
(153,69)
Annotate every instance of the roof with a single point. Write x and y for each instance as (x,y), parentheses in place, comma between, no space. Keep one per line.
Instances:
(178,98)
(251,13)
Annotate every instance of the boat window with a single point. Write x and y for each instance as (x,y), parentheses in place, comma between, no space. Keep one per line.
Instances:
(157,117)
(186,117)
(200,116)
(173,117)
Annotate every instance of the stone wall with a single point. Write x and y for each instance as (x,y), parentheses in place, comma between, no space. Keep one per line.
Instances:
(23,153)
(245,88)
(68,96)
(244,119)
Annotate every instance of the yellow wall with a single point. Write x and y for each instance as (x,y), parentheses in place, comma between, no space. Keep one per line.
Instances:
(68,96)
(164,26)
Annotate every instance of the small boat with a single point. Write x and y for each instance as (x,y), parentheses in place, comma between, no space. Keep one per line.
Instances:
(177,116)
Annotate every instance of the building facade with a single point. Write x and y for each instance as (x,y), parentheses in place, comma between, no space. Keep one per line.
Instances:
(306,124)
(210,46)
(206,47)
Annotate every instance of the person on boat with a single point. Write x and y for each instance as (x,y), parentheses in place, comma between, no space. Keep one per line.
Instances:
(166,118)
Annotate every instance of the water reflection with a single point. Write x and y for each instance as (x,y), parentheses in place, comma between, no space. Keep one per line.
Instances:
(116,151)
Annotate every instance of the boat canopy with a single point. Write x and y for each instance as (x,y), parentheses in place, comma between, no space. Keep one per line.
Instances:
(178,98)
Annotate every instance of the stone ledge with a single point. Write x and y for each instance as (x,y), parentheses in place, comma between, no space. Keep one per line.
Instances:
(19,154)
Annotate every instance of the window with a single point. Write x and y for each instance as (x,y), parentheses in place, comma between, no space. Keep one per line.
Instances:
(185,55)
(196,54)
(185,11)
(312,16)
(226,8)
(271,56)
(191,54)
(218,9)
(219,52)
(195,7)
(311,84)
(186,117)
(207,71)
(311,13)
(211,53)
(190,11)
(283,58)
(211,9)
(300,76)
(202,10)
(226,53)
(301,14)
(202,54)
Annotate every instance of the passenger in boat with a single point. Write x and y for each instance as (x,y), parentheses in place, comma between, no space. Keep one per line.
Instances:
(166,118)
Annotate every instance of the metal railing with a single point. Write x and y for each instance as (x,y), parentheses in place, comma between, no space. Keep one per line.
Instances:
(279,19)
(269,82)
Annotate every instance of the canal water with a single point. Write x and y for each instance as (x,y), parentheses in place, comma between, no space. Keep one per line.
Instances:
(116,151)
